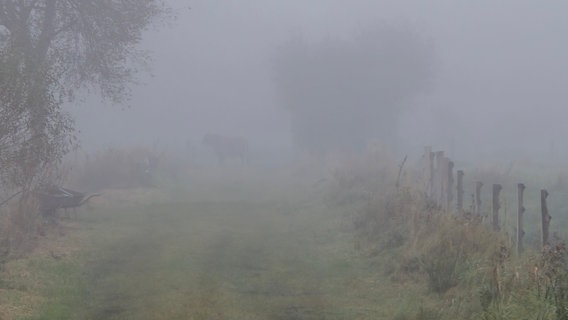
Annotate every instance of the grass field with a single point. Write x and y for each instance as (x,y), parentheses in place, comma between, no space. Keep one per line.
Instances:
(250,244)
(274,256)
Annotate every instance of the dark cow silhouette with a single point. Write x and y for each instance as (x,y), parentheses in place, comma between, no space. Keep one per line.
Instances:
(52,197)
(227,147)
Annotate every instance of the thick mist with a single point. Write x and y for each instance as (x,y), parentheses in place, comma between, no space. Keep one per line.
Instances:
(496,88)
(376,159)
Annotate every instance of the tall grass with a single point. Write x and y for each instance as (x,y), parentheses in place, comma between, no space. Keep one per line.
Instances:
(469,270)
(423,261)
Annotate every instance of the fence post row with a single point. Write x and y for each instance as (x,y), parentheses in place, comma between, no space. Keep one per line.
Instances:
(440,187)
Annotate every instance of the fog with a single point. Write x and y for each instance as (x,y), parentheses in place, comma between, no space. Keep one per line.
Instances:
(497,90)
(269,162)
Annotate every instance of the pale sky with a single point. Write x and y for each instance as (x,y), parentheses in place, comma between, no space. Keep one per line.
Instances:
(500,70)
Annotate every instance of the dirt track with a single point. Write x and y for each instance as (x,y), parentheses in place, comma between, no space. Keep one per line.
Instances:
(221,260)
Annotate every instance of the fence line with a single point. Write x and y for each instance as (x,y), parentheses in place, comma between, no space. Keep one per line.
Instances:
(440,188)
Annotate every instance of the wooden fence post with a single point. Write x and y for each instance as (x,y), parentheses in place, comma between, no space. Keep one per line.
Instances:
(400,167)
(460,191)
(439,180)
(450,185)
(545,217)
(429,156)
(520,212)
(478,186)
(432,174)
(496,206)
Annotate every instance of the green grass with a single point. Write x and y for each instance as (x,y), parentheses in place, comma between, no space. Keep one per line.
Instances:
(216,253)
(221,259)
(240,244)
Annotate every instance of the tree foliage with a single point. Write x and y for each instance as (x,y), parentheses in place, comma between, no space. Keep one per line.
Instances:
(49,51)
(341,93)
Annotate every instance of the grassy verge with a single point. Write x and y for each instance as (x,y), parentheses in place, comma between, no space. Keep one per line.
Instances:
(232,245)
(205,260)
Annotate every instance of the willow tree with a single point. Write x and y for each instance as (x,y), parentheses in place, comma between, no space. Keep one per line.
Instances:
(341,93)
(51,50)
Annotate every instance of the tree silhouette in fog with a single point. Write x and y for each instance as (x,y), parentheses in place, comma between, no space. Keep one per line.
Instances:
(49,51)
(342,93)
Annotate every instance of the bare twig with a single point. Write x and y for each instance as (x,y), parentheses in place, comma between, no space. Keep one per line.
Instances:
(10,198)
(400,171)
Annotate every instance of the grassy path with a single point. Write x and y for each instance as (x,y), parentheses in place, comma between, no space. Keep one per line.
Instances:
(223,260)
(207,251)
(216,259)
